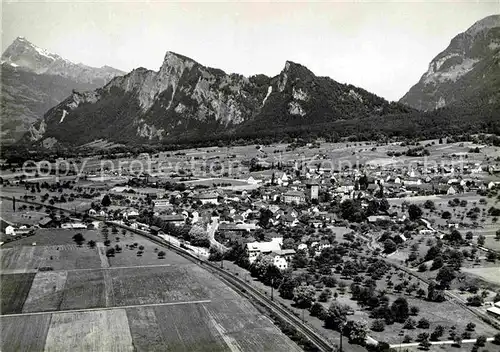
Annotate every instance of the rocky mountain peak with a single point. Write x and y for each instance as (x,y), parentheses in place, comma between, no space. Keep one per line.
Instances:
(467,68)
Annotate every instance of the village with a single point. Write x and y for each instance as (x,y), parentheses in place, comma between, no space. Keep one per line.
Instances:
(334,241)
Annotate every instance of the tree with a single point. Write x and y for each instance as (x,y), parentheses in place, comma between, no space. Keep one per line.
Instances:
(422,267)
(475,301)
(400,309)
(429,204)
(423,323)
(79,239)
(445,276)
(420,292)
(378,325)
(454,237)
(480,240)
(92,243)
(355,331)
(496,339)
(457,340)
(491,257)
(106,201)
(199,236)
(287,287)
(425,344)
(336,315)
(497,235)
(414,310)
(110,252)
(446,215)
(414,212)
(300,260)
(389,246)
(471,326)
(437,263)
(161,254)
(304,295)
(325,295)
(481,340)
(410,323)
(317,310)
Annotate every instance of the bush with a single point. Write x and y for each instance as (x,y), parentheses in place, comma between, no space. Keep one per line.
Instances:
(481,341)
(317,310)
(496,339)
(414,310)
(378,325)
(409,324)
(423,323)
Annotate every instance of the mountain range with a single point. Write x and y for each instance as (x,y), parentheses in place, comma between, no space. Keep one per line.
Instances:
(467,70)
(34,80)
(187,101)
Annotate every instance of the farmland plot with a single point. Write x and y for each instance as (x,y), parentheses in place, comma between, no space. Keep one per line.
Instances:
(143,285)
(489,274)
(18,258)
(14,289)
(105,330)
(57,257)
(187,328)
(46,292)
(24,333)
(241,325)
(53,237)
(145,330)
(84,289)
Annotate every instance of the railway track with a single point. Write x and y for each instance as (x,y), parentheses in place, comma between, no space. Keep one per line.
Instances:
(240,285)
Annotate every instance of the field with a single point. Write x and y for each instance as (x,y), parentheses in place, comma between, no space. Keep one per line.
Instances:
(105,330)
(14,290)
(489,274)
(123,303)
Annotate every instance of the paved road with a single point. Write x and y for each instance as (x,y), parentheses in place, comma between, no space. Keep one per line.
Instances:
(447,342)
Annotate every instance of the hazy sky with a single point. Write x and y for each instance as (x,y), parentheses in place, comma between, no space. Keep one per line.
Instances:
(383,47)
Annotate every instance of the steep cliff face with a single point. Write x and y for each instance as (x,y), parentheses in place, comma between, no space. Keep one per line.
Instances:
(469,69)
(185,99)
(34,80)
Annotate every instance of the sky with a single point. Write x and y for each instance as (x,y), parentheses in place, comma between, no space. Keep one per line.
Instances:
(383,47)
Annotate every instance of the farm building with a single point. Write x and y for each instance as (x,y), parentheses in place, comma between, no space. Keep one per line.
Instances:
(176,219)
(161,203)
(254,249)
(495,311)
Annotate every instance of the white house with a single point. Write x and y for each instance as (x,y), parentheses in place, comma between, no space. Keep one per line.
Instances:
(161,203)
(281,258)
(279,262)
(451,191)
(302,246)
(10,230)
(73,225)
